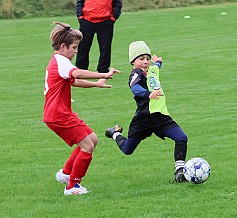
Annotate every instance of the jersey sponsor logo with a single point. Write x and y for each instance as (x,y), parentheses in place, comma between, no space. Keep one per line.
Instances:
(154,83)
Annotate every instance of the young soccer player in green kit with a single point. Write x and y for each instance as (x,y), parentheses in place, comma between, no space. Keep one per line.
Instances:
(151,115)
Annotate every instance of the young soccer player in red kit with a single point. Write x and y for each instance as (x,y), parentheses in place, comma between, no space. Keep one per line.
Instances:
(61,74)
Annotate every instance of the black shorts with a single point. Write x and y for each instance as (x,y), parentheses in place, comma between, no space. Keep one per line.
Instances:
(144,126)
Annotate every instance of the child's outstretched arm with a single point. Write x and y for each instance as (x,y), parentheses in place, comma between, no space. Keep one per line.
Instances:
(86,74)
(101,83)
(141,92)
(156,60)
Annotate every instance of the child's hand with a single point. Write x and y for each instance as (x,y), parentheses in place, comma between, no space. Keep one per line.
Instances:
(154,58)
(156,94)
(102,83)
(111,72)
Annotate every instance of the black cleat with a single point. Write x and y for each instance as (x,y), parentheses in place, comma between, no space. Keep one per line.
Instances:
(179,175)
(110,131)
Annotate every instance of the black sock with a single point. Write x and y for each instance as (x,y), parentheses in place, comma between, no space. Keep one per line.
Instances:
(180,150)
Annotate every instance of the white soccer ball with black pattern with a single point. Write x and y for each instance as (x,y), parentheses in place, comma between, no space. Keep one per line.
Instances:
(197,170)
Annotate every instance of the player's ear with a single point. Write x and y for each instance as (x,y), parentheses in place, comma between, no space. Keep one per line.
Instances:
(63,46)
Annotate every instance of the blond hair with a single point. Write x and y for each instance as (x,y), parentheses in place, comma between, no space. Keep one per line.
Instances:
(63,33)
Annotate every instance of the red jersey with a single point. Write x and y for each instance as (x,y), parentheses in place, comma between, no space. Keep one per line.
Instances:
(98,10)
(57,91)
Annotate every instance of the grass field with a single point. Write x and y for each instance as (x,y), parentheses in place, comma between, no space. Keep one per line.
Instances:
(200,82)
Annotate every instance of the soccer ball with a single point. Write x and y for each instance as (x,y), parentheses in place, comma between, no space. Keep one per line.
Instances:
(197,170)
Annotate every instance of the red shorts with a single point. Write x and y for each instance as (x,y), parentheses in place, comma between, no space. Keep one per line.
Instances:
(71,135)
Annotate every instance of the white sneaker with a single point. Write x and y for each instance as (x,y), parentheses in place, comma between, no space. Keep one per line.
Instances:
(61,177)
(76,190)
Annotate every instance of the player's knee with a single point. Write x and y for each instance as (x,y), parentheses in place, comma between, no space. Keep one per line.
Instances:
(90,148)
(182,137)
(127,152)
(129,145)
(94,138)
(95,142)
(87,147)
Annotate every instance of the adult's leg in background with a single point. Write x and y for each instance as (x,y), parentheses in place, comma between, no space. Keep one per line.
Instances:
(88,30)
(105,36)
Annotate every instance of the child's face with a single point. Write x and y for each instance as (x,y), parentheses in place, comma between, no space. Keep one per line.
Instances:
(142,62)
(71,51)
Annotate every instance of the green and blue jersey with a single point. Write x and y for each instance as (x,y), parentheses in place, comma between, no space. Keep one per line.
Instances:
(142,84)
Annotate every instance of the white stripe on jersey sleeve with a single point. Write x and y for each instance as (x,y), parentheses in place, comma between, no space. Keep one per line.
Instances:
(64,65)
(133,79)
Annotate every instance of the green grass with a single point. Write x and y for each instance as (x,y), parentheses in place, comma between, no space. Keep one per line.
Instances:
(199,79)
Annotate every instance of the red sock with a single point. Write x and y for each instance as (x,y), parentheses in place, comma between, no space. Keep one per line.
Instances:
(67,169)
(79,169)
